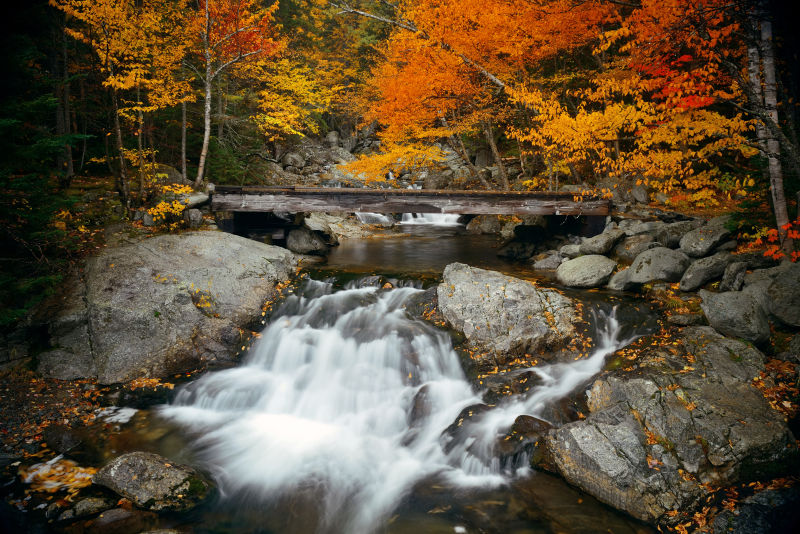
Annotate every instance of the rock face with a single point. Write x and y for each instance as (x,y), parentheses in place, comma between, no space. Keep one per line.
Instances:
(592,270)
(137,311)
(504,314)
(658,263)
(675,421)
(153,482)
(703,240)
(736,314)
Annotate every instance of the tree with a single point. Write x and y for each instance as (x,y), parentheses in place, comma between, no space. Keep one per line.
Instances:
(230,32)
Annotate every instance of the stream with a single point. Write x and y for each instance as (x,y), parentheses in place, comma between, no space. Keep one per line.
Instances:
(336,419)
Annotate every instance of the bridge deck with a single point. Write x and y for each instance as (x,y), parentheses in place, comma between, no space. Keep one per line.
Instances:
(313,199)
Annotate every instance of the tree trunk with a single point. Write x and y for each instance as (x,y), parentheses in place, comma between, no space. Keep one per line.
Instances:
(183,141)
(220,111)
(487,129)
(124,193)
(140,141)
(201,167)
(70,168)
(773,146)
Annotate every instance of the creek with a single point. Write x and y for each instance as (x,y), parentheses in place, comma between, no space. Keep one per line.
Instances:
(337,418)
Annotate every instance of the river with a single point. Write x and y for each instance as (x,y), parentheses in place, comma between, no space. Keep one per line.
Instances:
(337,418)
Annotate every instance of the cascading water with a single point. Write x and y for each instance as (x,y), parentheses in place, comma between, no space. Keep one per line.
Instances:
(346,398)
(374,218)
(438,219)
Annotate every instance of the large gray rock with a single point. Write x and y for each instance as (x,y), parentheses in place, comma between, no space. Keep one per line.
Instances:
(485,224)
(685,415)
(548,261)
(783,297)
(134,315)
(634,227)
(733,277)
(602,243)
(702,241)
(660,264)
(504,314)
(153,482)
(621,281)
(293,159)
(736,314)
(632,246)
(671,234)
(570,251)
(705,270)
(305,241)
(592,270)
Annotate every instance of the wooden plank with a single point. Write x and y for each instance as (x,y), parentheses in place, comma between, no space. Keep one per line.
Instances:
(295,200)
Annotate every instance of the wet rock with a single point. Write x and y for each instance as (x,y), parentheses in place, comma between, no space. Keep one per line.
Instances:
(61,438)
(485,224)
(153,482)
(658,264)
(305,241)
(783,297)
(591,270)
(504,314)
(736,314)
(86,508)
(462,428)
(521,442)
(602,243)
(671,234)
(517,250)
(702,241)
(503,385)
(621,281)
(630,247)
(120,520)
(705,270)
(136,316)
(775,510)
(733,277)
(548,261)
(688,410)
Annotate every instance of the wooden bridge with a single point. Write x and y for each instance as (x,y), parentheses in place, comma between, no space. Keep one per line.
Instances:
(318,199)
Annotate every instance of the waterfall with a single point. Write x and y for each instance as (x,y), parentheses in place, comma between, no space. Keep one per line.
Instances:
(344,395)
(374,218)
(438,219)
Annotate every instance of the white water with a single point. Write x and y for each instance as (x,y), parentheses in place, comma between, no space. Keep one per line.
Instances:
(324,403)
(437,219)
(374,218)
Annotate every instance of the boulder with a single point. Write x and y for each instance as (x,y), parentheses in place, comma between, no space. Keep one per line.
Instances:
(632,246)
(640,194)
(548,261)
(570,251)
(702,241)
(621,281)
(504,314)
(682,416)
(659,263)
(783,297)
(591,270)
(736,314)
(193,218)
(670,235)
(153,482)
(332,139)
(132,314)
(517,249)
(293,159)
(733,277)
(635,227)
(601,243)
(771,510)
(305,241)
(485,224)
(705,270)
